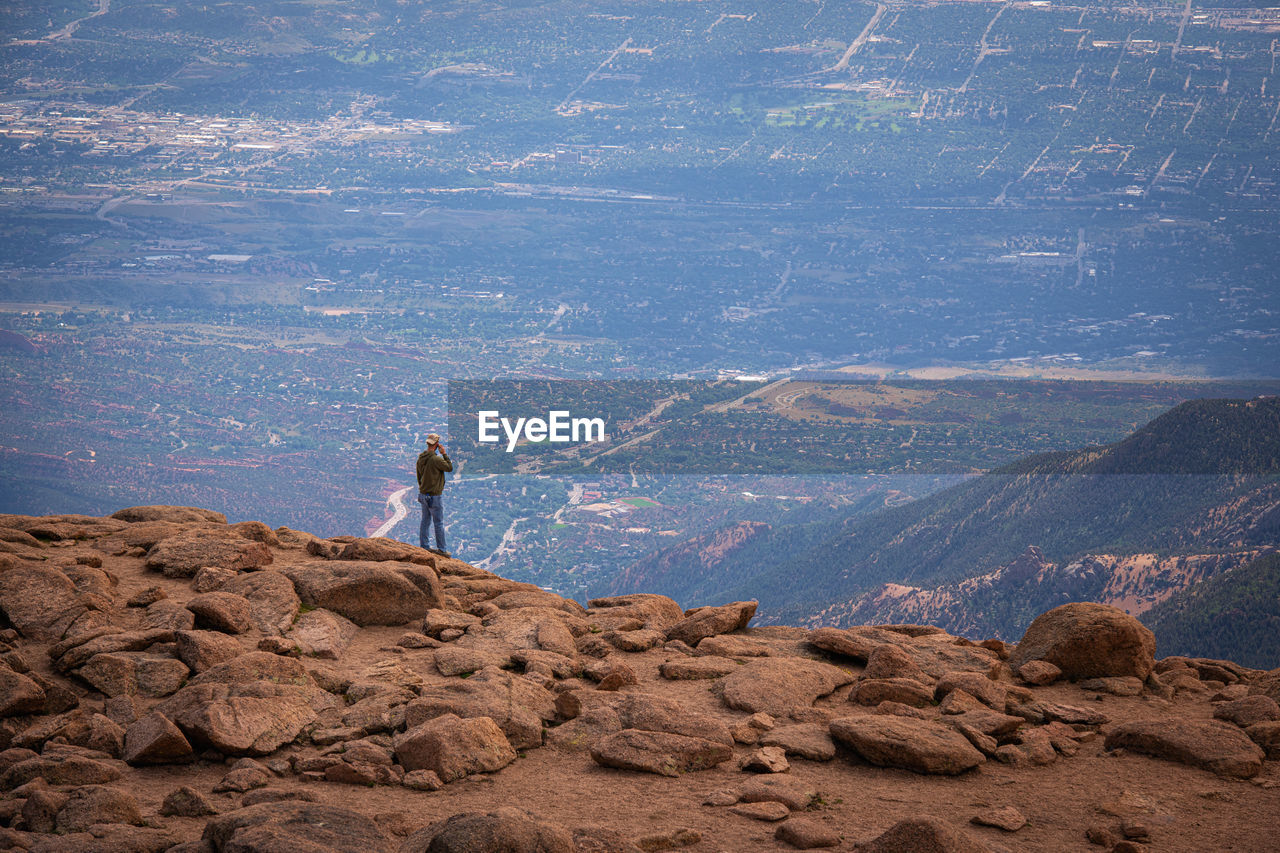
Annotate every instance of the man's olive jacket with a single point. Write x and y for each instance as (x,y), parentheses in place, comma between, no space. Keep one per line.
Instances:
(431,469)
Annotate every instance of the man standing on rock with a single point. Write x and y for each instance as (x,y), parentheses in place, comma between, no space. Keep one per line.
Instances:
(432,465)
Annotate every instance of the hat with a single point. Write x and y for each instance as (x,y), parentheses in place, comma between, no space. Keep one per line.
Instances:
(433,438)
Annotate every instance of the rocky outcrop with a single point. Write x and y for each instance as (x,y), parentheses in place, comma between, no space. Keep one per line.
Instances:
(924,834)
(506,829)
(1208,744)
(116,671)
(453,747)
(780,685)
(919,745)
(663,753)
(702,622)
(291,827)
(183,555)
(1086,640)
(367,593)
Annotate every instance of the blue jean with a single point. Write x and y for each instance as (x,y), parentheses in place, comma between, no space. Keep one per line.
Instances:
(432,512)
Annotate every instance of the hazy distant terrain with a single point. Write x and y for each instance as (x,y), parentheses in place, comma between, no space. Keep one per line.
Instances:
(245,244)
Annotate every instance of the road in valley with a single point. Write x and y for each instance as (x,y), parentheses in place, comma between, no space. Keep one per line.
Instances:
(398,512)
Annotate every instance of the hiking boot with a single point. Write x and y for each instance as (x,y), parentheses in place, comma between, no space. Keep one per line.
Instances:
(439,552)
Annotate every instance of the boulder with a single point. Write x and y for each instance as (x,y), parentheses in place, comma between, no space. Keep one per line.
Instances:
(40,811)
(692,669)
(920,745)
(732,647)
(252,718)
(94,804)
(802,740)
(41,602)
(769,812)
(293,827)
(1007,818)
(766,759)
(792,793)
(256,666)
(437,621)
(222,611)
(639,640)
(906,691)
(186,802)
(453,747)
(130,673)
(1087,640)
(183,555)
(661,714)
(60,769)
(168,615)
(508,830)
(258,532)
(585,730)
(658,752)
(460,660)
(154,739)
(202,650)
(111,674)
(702,622)
(1115,685)
(988,692)
(322,634)
(805,833)
(273,602)
(652,612)
(174,514)
(845,643)
(1248,710)
(19,694)
(1208,744)
(923,835)
(78,648)
(780,685)
(79,727)
(386,550)
(1267,736)
(518,706)
(890,661)
(367,593)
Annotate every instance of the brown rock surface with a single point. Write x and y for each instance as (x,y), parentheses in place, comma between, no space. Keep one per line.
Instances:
(176,514)
(919,745)
(367,593)
(1209,744)
(154,739)
(201,650)
(506,830)
(780,685)
(453,747)
(1248,710)
(923,835)
(325,732)
(1087,640)
(41,602)
(183,555)
(93,804)
(805,833)
(702,622)
(293,827)
(658,752)
(222,611)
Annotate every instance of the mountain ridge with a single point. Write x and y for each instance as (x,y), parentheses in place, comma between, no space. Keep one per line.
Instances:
(1199,481)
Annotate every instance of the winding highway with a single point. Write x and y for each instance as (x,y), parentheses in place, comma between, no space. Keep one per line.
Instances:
(398,512)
